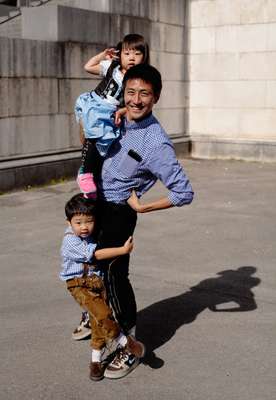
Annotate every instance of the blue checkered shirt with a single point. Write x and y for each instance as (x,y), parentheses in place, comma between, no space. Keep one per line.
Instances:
(155,159)
(74,252)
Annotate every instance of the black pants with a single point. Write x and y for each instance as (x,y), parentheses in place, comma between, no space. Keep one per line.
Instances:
(117,223)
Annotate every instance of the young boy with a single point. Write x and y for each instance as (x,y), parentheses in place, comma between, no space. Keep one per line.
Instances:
(84,281)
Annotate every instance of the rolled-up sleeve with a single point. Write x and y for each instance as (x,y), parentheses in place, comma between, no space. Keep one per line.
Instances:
(165,166)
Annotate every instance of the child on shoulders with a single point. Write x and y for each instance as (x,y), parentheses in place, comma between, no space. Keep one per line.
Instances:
(95,110)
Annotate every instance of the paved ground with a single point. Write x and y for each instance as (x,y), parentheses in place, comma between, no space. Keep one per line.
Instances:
(205,281)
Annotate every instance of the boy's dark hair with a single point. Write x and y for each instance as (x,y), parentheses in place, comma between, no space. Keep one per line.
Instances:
(136,42)
(78,204)
(146,73)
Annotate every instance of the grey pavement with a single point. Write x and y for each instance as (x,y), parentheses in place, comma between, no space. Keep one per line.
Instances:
(205,282)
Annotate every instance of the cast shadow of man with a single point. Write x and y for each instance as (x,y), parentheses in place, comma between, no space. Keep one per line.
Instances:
(230,292)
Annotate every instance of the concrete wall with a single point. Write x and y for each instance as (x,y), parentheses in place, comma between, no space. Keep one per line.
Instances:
(160,21)
(42,73)
(232,78)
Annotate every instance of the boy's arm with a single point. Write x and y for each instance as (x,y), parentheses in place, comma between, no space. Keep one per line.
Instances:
(93,65)
(111,252)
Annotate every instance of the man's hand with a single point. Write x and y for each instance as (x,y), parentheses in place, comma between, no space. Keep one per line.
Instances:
(134,203)
(128,246)
(118,116)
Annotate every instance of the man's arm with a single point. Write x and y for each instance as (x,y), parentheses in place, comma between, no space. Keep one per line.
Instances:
(164,165)
(160,204)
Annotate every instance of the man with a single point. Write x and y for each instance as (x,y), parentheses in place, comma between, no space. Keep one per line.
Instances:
(143,154)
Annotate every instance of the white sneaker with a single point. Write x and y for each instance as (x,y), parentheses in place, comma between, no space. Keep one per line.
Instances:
(133,347)
(83,330)
(122,364)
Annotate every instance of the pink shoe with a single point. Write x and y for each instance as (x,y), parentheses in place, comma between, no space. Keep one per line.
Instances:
(86,183)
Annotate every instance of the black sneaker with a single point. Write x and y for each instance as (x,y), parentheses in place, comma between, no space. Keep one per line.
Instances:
(84,329)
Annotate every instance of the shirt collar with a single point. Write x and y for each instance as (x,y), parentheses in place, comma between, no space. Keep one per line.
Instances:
(139,124)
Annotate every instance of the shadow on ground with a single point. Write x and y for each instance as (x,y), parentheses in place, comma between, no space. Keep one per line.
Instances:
(229,292)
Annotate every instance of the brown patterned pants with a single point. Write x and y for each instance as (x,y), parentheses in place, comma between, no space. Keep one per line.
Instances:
(89,292)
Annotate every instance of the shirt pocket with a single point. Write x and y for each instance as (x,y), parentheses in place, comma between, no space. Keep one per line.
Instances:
(128,166)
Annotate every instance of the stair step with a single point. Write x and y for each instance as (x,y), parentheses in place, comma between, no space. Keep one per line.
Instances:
(4,18)
(14,13)
(35,3)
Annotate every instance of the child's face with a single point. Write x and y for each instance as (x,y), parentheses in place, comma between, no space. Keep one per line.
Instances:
(82,225)
(129,58)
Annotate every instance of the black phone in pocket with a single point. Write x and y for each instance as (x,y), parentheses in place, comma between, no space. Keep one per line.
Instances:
(134,155)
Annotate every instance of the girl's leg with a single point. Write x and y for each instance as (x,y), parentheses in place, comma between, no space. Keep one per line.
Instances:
(91,158)
(90,168)
(81,133)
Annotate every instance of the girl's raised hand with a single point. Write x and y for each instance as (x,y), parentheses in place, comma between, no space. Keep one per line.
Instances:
(111,54)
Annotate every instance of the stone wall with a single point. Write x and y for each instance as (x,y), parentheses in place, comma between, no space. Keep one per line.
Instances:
(232,78)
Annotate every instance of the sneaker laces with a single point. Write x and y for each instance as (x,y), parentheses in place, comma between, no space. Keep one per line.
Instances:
(122,355)
(84,318)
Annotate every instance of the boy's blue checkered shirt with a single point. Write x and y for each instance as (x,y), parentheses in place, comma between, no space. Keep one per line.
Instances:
(156,160)
(74,252)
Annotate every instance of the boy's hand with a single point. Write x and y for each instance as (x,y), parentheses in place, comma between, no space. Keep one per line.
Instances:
(111,54)
(128,246)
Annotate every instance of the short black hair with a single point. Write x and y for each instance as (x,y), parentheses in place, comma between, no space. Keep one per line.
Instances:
(78,204)
(146,73)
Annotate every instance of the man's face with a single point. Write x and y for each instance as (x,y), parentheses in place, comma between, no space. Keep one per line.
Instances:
(139,99)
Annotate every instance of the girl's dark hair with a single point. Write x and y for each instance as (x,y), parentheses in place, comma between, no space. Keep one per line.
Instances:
(146,73)
(79,205)
(136,42)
